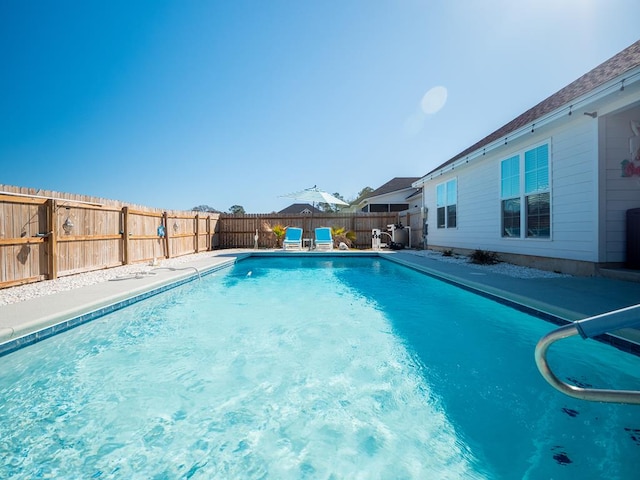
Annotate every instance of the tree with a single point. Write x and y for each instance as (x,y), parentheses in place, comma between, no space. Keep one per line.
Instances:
(237,210)
(204,208)
(363,193)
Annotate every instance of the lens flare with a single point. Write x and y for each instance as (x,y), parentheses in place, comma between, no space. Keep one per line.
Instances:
(434,100)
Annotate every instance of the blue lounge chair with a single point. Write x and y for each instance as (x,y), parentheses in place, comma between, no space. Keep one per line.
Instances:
(324,240)
(292,239)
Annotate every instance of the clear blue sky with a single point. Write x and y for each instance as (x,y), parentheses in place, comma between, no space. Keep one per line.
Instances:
(174,104)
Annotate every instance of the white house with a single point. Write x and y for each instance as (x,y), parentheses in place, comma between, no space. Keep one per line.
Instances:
(397,195)
(553,187)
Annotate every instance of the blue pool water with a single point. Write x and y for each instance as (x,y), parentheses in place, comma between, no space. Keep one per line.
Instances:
(305,368)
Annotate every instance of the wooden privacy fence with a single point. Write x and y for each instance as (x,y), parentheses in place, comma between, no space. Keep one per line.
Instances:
(46,236)
(239,231)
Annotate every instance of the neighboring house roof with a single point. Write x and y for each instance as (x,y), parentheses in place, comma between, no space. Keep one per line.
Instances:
(300,208)
(393,185)
(617,65)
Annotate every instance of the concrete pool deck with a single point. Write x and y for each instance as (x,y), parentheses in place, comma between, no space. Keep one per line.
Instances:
(569,298)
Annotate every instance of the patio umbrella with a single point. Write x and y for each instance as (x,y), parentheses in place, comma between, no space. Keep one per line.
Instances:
(315,195)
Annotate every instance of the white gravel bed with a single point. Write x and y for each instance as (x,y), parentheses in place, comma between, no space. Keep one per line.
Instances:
(500,268)
(48,287)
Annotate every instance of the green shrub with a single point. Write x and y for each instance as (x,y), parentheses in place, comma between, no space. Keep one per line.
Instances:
(279,231)
(483,257)
(340,234)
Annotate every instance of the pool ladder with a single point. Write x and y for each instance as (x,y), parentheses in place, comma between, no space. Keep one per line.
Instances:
(589,328)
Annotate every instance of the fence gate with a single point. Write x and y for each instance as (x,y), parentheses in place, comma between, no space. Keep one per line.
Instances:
(24,240)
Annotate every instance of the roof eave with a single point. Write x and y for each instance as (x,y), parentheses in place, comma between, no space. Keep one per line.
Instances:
(581,102)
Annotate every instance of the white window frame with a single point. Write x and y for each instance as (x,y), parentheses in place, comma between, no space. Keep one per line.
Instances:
(522,195)
(446,203)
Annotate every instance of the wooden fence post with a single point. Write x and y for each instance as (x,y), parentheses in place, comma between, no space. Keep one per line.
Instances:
(197,220)
(125,235)
(52,240)
(165,220)
(209,242)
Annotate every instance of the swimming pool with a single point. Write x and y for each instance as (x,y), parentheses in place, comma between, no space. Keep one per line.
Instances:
(312,368)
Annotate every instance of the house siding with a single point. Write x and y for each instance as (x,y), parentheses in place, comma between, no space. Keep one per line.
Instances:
(574,199)
(573,203)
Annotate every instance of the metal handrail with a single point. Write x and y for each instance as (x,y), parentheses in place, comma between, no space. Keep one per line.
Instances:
(587,328)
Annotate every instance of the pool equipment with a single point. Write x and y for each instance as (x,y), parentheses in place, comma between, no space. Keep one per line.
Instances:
(425,234)
(376,239)
(174,269)
(136,275)
(589,328)
(400,235)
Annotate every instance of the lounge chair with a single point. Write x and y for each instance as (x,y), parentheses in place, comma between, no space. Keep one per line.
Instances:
(292,239)
(324,240)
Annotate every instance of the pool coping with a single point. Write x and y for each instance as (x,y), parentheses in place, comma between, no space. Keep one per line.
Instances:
(627,339)
(66,310)
(20,333)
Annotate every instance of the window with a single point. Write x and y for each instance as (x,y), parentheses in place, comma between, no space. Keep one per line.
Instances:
(511,217)
(526,197)
(378,208)
(398,207)
(510,194)
(538,216)
(446,203)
